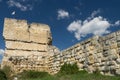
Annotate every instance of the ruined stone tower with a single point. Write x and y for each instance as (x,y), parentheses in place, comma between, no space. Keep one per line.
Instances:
(27,46)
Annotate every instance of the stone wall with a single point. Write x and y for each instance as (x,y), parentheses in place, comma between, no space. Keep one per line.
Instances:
(54,59)
(96,54)
(27,46)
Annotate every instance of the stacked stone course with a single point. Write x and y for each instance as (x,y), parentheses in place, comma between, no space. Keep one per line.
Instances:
(29,47)
(96,54)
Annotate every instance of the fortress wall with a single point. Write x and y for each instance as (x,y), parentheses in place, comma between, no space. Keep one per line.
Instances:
(29,47)
(96,54)
(54,59)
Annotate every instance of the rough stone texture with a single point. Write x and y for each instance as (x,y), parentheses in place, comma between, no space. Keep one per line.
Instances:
(29,47)
(39,33)
(25,46)
(16,30)
(23,53)
(96,53)
(54,59)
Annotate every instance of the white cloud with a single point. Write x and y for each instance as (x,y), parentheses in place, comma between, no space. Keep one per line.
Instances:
(62,14)
(1,51)
(95,26)
(117,23)
(13,13)
(94,13)
(15,3)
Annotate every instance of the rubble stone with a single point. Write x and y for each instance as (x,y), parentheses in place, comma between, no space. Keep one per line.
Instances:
(29,47)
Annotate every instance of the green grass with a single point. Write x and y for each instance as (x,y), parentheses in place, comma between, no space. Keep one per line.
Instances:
(67,72)
(82,75)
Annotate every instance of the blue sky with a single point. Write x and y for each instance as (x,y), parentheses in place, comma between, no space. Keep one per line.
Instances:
(71,21)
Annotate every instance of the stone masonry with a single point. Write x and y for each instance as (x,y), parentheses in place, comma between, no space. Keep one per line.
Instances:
(96,54)
(29,47)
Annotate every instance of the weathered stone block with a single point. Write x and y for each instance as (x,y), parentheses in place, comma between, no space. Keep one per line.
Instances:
(23,53)
(16,30)
(118,71)
(113,46)
(31,41)
(118,60)
(118,33)
(39,33)
(118,44)
(25,46)
(106,53)
(112,35)
(118,38)
(109,63)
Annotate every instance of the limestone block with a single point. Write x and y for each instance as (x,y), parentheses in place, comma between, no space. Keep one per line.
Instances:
(90,69)
(113,57)
(118,71)
(91,59)
(118,38)
(16,30)
(106,53)
(99,48)
(118,44)
(109,63)
(113,46)
(25,46)
(118,33)
(117,66)
(39,33)
(99,55)
(112,51)
(24,53)
(102,63)
(112,35)
(106,68)
(112,67)
(118,60)
(118,51)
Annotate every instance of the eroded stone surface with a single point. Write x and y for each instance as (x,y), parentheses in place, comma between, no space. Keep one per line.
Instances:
(96,53)
(25,46)
(29,47)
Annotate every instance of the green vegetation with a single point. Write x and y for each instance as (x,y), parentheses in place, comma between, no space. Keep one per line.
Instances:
(67,72)
(69,69)
(8,72)
(2,75)
(32,74)
(81,75)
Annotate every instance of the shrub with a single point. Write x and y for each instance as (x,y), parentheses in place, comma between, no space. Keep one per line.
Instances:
(2,75)
(33,74)
(7,70)
(69,68)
